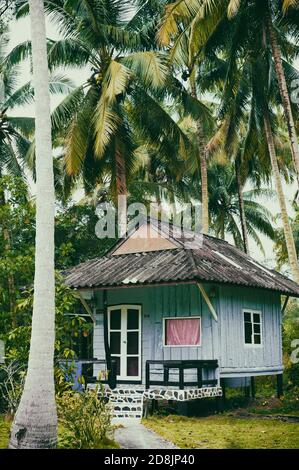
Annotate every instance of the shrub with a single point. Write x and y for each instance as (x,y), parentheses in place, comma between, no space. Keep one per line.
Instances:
(12,378)
(85,419)
(291,333)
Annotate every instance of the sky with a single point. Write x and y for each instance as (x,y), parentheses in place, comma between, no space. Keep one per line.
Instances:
(20,31)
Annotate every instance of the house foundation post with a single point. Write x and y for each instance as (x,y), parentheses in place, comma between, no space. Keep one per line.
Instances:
(221,400)
(252,386)
(279,389)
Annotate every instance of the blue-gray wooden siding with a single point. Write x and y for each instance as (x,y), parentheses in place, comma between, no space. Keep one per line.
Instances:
(235,357)
(222,340)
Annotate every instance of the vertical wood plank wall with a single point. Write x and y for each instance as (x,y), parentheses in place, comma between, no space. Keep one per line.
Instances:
(222,340)
(235,356)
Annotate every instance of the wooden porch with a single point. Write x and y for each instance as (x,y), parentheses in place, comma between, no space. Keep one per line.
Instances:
(128,399)
(158,374)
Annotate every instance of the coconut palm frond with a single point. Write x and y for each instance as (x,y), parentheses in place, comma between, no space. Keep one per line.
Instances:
(149,66)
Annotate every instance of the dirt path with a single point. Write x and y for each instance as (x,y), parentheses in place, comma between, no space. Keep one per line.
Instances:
(134,435)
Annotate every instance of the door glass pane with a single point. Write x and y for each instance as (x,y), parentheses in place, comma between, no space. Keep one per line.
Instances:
(248,333)
(117,359)
(247,316)
(133,319)
(132,366)
(257,339)
(115,343)
(115,319)
(256,318)
(132,342)
(256,328)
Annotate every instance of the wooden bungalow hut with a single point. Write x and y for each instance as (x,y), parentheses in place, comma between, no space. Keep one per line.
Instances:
(178,319)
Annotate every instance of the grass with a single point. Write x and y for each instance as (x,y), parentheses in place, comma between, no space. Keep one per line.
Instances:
(4,436)
(4,432)
(225,432)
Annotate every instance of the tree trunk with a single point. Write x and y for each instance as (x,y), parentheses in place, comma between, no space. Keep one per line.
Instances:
(241,204)
(121,180)
(222,230)
(202,163)
(283,90)
(35,423)
(291,249)
(121,188)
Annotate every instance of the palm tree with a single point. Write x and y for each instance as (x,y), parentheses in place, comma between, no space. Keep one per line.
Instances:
(245,74)
(285,97)
(35,423)
(209,24)
(260,128)
(225,209)
(16,132)
(276,33)
(271,15)
(122,94)
(289,238)
(14,144)
(174,33)
(240,186)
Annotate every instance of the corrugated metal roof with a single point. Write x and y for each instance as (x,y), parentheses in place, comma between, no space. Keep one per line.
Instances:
(211,260)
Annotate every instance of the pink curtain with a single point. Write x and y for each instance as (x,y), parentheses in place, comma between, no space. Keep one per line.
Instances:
(183,332)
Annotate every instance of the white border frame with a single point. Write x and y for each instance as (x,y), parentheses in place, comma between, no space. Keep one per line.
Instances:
(123,340)
(182,345)
(252,345)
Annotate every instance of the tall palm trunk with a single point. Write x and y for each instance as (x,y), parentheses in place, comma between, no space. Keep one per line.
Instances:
(291,249)
(241,204)
(121,188)
(285,97)
(35,423)
(121,180)
(222,228)
(202,163)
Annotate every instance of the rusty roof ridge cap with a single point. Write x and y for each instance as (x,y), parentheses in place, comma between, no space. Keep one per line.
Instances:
(191,257)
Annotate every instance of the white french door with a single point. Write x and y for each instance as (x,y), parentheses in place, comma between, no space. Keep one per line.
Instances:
(124,328)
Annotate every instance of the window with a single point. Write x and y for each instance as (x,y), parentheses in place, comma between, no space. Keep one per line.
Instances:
(252,327)
(182,331)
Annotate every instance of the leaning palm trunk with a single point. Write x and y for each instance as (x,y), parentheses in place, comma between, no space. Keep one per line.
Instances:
(202,163)
(241,205)
(35,423)
(285,97)
(291,249)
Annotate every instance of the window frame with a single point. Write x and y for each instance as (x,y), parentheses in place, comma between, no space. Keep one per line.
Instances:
(182,345)
(251,311)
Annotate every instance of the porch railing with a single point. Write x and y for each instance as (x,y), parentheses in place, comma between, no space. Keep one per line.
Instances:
(181,365)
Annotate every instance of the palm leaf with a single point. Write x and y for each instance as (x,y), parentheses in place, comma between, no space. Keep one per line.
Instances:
(79,133)
(149,66)
(233,8)
(289,4)
(105,120)
(23,124)
(179,11)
